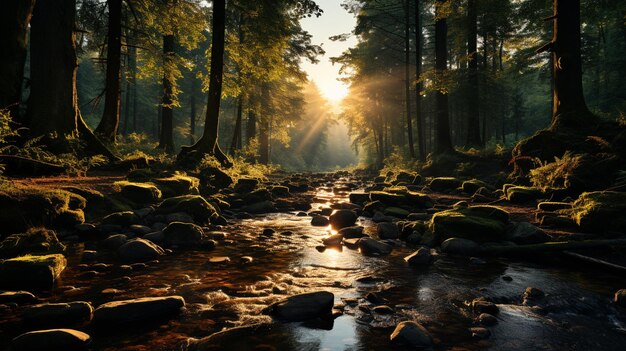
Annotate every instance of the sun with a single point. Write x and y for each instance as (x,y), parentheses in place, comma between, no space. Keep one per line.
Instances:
(335,92)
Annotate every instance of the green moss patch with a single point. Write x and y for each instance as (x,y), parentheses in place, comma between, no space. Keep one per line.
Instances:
(600,211)
(477,223)
(35,240)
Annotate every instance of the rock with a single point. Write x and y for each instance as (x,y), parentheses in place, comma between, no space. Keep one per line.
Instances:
(600,211)
(444,183)
(34,240)
(113,242)
(387,230)
(352,232)
(124,219)
(139,250)
(532,296)
(37,272)
(303,307)
(177,185)
(343,218)
(179,234)
(140,229)
(145,309)
(524,233)
(477,223)
(319,221)
(246,185)
(51,339)
(359,198)
(279,191)
(421,257)
(219,260)
(246,260)
(58,314)
(412,334)
(396,212)
(486,319)
(155,237)
(369,246)
(383,309)
(480,333)
(31,207)
(522,194)
(460,246)
(471,186)
(403,197)
(194,205)
(620,298)
(268,232)
(375,298)
(139,193)
(550,206)
(265,206)
(333,240)
(17,297)
(380,217)
(480,305)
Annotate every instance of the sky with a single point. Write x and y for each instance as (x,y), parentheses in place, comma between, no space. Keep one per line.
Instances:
(335,20)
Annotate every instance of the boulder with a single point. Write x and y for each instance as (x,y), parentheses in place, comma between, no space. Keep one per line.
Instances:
(460,246)
(125,219)
(522,194)
(600,211)
(471,186)
(551,206)
(16,297)
(177,185)
(387,230)
(413,335)
(486,319)
(343,218)
(51,339)
(246,185)
(620,298)
(113,242)
(396,212)
(477,223)
(480,305)
(359,198)
(444,183)
(371,247)
(352,232)
(524,233)
(139,193)
(319,221)
(401,197)
(37,272)
(145,309)
(139,250)
(181,234)
(34,240)
(333,240)
(58,314)
(421,257)
(279,191)
(265,206)
(194,205)
(303,307)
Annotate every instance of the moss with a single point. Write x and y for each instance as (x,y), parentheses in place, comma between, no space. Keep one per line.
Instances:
(471,186)
(177,185)
(87,193)
(550,206)
(194,205)
(521,194)
(408,198)
(23,208)
(34,240)
(139,193)
(477,223)
(140,175)
(444,183)
(600,211)
(31,271)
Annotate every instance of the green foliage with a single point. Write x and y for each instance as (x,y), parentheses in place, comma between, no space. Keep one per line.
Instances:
(398,162)
(555,175)
(241,168)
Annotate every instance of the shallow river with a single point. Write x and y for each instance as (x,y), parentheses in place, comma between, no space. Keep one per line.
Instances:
(233,294)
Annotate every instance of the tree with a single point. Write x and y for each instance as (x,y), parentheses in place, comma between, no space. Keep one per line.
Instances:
(14,19)
(107,129)
(407,83)
(444,142)
(166,139)
(418,83)
(473,120)
(207,144)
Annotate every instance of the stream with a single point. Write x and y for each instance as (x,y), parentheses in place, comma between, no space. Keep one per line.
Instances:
(579,315)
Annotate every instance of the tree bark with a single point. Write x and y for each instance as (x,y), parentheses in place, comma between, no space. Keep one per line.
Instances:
(407,82)
(250,127)
(570,109)
(444,142)
(236,142)
(107,129)
(166,141)
(208,143)
(473,118)
(192,114)
(264,143)
(14,19)
(418,84)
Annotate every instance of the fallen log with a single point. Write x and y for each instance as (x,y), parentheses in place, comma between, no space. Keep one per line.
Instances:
(28,167)
(557,246)
(596,261)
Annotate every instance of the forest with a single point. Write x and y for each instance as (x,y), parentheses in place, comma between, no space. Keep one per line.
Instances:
(226,175)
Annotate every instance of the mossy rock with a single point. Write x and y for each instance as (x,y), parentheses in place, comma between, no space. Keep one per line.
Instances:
(258,195)
(279,191)
(140,175)
(471,186)
(34,240)
(600,211)
(477,223)
(31,272)
(246,185)
(444,183)
(194,205)
(396,212)
(177,185)
(522,194)
(179,234)
(88,194)
(23,208)
(408,198)
(405,177)
(125,218)
(139,193)
(550,206)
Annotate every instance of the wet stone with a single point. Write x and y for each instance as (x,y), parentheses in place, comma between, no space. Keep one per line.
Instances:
(303,307)
(411,334)
(17,297)
(219,260)
(421,257)
(51,339)
(486,319)
(319,221)
(480,305)
(383,309)
(480,333)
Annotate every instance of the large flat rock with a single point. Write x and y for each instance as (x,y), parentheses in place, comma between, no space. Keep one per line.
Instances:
(142,309)
(31,272)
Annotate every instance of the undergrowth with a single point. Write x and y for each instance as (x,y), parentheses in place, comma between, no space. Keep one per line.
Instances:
(555,175)
(398,162)
(241,168)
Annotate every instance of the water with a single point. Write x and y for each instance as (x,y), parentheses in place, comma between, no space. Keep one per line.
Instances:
(580,315)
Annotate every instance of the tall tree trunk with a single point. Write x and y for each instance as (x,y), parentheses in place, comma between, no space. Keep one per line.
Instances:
(407,82)
(53,101)
(192,114)
(14,19)
(208,142)
(264,142)
(166,141)
(473,118)
(570,109)
(444,142)
(132,67)
(107,129)
(250,127)
(418,84)
(236,142)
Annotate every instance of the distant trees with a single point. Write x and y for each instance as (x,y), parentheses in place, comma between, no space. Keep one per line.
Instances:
(443,141)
